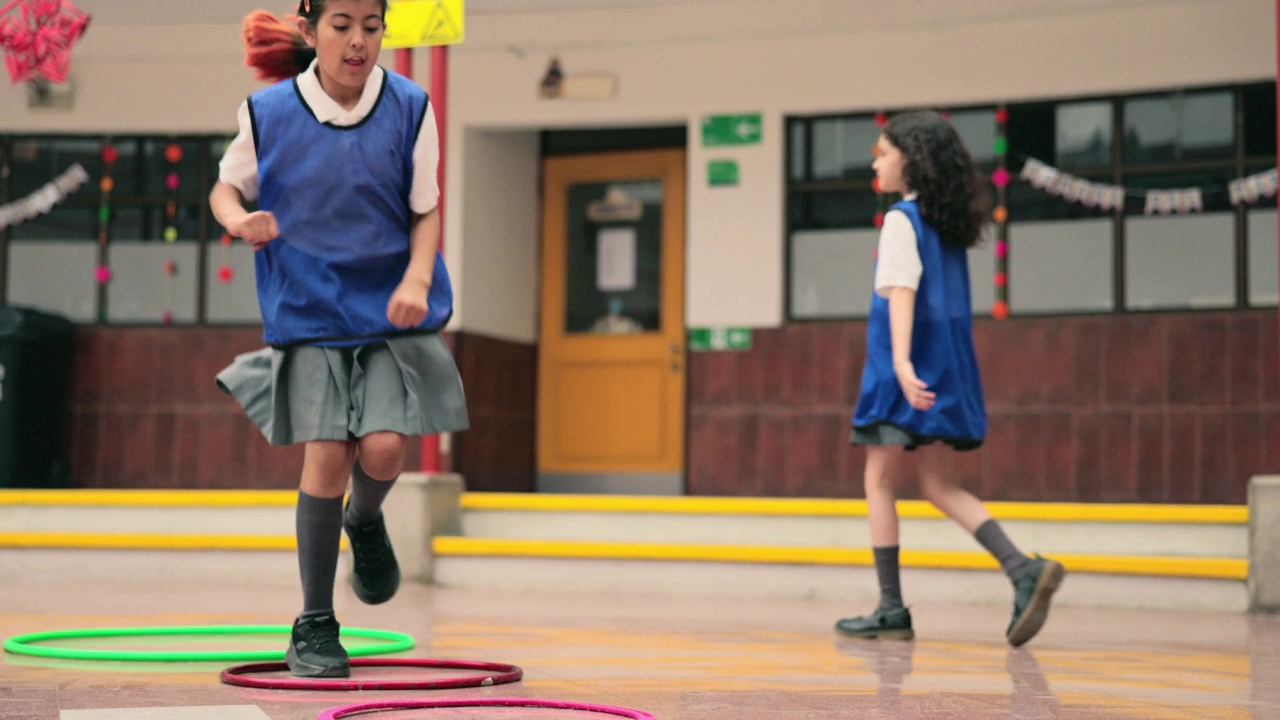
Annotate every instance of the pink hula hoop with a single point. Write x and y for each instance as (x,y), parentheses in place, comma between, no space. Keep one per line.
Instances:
(498,674)
(375,707)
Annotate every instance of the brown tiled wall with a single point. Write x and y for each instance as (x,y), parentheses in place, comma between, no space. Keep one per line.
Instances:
(500,378)
(1151,408)
(1154,408)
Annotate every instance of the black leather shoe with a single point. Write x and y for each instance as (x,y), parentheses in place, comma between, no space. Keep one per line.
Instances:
(1032,592)
(890,624)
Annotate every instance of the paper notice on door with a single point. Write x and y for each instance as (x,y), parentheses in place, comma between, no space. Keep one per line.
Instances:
(616,259)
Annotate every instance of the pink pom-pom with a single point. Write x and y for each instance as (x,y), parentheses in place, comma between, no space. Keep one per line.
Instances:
(878,220)
(226,274)
(172,181)
(102,274)
(881,119)
(1002,249)
(1002,116)
(1000,178)
(167,318)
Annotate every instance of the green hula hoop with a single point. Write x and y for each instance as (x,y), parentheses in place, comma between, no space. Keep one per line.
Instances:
(22,644)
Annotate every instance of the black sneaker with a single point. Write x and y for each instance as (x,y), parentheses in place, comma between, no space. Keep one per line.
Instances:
(1032,592)
(314,649)
(890,624)
(377,575)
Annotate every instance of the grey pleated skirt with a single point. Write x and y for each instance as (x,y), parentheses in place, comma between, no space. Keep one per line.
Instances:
(407,385)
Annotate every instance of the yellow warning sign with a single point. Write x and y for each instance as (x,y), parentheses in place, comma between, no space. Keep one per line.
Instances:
(414,23)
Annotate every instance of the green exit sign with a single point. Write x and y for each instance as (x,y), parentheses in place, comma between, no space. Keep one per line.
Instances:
(704,339)
(718,130)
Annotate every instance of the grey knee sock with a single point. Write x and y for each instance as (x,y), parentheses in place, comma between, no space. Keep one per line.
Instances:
(319,522)
(992,537)
(367,495)
(888,575)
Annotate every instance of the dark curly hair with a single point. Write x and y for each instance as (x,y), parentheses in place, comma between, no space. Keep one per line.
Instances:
(953,195)
(274,47)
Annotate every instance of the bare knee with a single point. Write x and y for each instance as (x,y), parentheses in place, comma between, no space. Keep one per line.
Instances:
(382,454)
(325,468)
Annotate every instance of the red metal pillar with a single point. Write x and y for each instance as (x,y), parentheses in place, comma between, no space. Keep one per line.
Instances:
(439,89)
(431,455)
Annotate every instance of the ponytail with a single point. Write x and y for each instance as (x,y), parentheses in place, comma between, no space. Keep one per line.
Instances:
(274,48)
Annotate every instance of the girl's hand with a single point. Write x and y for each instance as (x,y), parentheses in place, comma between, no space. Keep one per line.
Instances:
(915,389)
(408,306)
(256,228)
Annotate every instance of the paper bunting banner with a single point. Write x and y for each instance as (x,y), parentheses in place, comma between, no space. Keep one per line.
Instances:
(1071,188)
(1254,187)
(42,201)
(1158,202)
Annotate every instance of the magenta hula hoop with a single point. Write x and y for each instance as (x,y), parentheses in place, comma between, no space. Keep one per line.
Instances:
(376,707)
(487,674)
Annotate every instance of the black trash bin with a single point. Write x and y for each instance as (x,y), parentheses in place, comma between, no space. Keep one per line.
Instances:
(35,376)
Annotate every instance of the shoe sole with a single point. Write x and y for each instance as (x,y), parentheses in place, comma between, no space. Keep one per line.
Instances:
(1037,611)
(880,634)
(369,598)
(305,669)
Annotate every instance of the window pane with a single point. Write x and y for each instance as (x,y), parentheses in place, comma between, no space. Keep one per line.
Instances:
(142,292)
(842,148)
(1083,134)
(982,264)
(1060,266)
(1030,131)
(1260,121)
(832,272)
(1263,260)
(1185,261)
(832,210)
(1179,127)
(56,276)
(37,161)
(977,128)
(799,131)
(234,302)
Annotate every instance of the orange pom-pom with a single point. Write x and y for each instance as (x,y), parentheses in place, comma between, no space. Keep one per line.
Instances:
(1000,310)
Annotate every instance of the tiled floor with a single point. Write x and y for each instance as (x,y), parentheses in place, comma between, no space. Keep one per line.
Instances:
(679,659)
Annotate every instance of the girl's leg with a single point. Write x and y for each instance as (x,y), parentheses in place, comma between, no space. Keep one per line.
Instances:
(891,619)
(314,647)
(883,471)
(380,461)
(325,468)
(938,485)
(1034,581)
(377,574)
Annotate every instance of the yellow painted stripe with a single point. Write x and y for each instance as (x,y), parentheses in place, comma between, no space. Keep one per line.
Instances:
(1216,568)
(124,541)
(150,498)
(1059,512)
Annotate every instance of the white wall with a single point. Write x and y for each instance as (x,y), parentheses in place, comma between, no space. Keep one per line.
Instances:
(501,235)
(675,64)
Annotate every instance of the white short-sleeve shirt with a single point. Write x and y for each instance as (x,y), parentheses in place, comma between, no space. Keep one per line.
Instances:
(239,166)
(898,257)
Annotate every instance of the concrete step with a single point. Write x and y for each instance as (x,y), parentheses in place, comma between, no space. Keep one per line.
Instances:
(1161,530)
(1131,556)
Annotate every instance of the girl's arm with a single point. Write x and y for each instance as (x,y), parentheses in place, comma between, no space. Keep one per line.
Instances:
(408,306)
(902,311)
(227,205)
